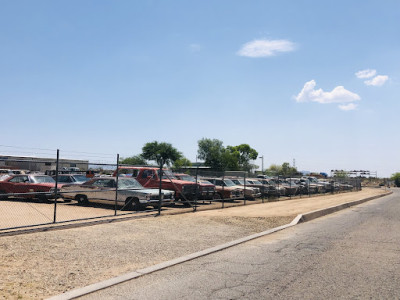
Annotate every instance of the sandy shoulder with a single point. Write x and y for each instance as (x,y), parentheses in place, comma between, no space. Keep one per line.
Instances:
(47,263)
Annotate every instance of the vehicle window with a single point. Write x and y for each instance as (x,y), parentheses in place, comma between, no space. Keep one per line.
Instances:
(147,173)
(219,182)
(166,174)
(19,179)
(129,183)
(188,178)
(229,182)
(43,179)
(104,183)
(64,179)
(80,178)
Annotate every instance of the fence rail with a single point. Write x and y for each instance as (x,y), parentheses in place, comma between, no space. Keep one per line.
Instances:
(29,201)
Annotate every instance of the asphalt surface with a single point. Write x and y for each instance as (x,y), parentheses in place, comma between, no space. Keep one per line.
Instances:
(352,254)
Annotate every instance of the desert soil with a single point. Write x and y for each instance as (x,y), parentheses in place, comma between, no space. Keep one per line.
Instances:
(42,264)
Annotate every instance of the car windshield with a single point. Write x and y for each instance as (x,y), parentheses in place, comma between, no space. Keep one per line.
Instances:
(166,174)
(187,178)
(256,182)
(229,182)
(205,182)
(43,179)
(129,183)
(81,178)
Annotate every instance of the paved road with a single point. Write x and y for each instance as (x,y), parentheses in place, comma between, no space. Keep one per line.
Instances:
(353,254)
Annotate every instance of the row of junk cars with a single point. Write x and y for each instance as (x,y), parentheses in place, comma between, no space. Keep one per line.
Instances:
(139,187)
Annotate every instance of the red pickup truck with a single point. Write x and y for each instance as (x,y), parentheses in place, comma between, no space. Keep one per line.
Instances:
(149,177)
(28,186)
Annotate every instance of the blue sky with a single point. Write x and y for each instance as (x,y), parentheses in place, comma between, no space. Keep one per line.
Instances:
(283,76)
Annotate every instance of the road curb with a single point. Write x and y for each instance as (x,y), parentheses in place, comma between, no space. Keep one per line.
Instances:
(138,273)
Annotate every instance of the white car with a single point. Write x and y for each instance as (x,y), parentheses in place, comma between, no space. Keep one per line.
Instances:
(131,194)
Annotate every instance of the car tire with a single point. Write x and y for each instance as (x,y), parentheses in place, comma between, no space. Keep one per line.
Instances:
(42,198)
(217,196)
(3,196)
(81,199)
(134,204)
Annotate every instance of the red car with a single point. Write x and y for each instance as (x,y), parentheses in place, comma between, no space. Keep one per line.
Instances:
(149,178)
(28,186)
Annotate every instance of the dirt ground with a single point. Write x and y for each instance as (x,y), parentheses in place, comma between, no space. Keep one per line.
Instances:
(42,264)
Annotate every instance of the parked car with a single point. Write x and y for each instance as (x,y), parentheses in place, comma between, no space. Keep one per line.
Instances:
(249,191)
(28,186)
(279,189)
(226,189)
(290,189)
(266,190)
(131,194)
(205,190)
(149,177)
(71,178)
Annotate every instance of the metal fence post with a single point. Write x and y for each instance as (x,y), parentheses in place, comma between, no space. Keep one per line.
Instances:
(56,187)
(197,190)
(159,190)
(116,188)
(244,181)
(223,182)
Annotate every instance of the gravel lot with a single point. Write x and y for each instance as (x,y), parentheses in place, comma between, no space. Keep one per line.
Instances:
(38,265)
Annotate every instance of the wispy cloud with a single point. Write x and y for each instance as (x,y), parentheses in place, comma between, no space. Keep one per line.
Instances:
(377,80)
(346,107)
(367,73)
(265,48)
(195,47)
(338,95)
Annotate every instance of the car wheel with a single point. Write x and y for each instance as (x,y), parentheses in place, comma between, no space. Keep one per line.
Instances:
(134,204)
(3,196)
(42,198)
(81,199)
(217,196)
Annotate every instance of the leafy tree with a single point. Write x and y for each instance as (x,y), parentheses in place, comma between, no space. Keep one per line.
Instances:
(284,170)
(162,153)
(219,158)
(212,152)
(341,174)
(243,154)
(134,160)
(182,162)
(396,178)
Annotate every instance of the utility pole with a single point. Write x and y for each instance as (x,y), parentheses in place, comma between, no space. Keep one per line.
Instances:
(262,164)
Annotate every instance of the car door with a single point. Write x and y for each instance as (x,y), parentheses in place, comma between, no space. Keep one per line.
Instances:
(19,184)
(103,191)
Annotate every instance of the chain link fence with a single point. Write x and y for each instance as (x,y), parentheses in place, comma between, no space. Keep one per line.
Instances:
(55,189)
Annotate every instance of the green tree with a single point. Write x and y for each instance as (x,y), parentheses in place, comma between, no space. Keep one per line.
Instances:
(212,152)
(162,153)
(282,170)
(135,160)
(273,170)
(341,174)
(396,178)
(243,154)
(182,162)
(232,158)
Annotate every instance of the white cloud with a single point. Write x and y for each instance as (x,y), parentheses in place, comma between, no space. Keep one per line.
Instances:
(367,73)
(346,107)
(264,48)
(377,80)
(195,47)
(338,95)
